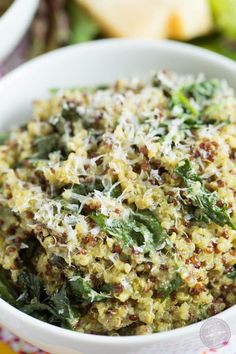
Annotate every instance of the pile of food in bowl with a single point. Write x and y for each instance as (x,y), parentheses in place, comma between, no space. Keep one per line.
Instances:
(118,206)
(4,6)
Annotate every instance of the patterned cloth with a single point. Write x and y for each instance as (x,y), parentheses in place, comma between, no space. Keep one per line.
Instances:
(16,344)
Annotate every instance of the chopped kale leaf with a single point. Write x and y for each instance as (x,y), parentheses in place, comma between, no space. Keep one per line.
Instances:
(86,188)
(173,285)
(147,218)
(7,291)
(63,307)
(142,229)
(202,90)
(232,274)
(82,290)
(30,286)
(202,198)
(69,112)
(47,144)
(29,296)
(3,138)
(179,99)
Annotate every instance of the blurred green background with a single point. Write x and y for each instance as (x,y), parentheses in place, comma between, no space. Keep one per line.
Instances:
(63,22)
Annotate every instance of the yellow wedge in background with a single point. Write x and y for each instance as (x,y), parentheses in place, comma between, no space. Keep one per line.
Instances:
(4,349)
(177,19)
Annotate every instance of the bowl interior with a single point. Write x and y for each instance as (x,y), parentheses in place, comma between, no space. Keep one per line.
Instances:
(102,62)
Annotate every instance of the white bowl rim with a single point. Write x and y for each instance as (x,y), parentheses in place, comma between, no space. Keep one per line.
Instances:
(168,44)
(102,339)
(7,19)
(11,8)
(107,340)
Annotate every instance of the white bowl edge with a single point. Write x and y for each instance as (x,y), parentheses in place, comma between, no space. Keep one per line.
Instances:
(14,23)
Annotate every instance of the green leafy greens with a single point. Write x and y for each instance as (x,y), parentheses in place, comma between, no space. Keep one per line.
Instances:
(47,144)
(54,142)
(173,285)
(81,289)
(142,228)
(86,188)
(3,138)
(60,308)
(203,90)
(188,96)
(201,197)
(188,104)
(56,309)
(7,291)
(179,99)
(232,274)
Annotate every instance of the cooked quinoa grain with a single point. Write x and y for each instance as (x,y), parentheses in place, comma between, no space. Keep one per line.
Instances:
(117,206)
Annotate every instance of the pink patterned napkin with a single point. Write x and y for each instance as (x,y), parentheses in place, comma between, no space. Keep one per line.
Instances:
(18,345)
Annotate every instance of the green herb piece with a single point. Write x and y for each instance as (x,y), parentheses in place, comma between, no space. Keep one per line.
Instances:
(185,170)
(28,253)
(86,188)
(7,291)
(232,275)
(122,230)
(55,309)
(69,112)
(197,215)
(106,288)
(199,92)
(173,285)
(58,123)
(82,290)
(30,286)
(58,261)
(142,229)
(116,192)
(46,145)
(61,303)
(201,197)
(147,218)
(69,205)
(202,90)
(191,123)
(42,312)
(179,99)
(187,123)
(71,202)
(62,314)
(29,296)
(54,90)
(3,138)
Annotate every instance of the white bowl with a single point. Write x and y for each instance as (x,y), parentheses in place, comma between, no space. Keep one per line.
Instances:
(97,63)
(14,23)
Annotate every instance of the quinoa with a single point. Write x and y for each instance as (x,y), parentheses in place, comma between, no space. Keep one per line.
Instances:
(117,206)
